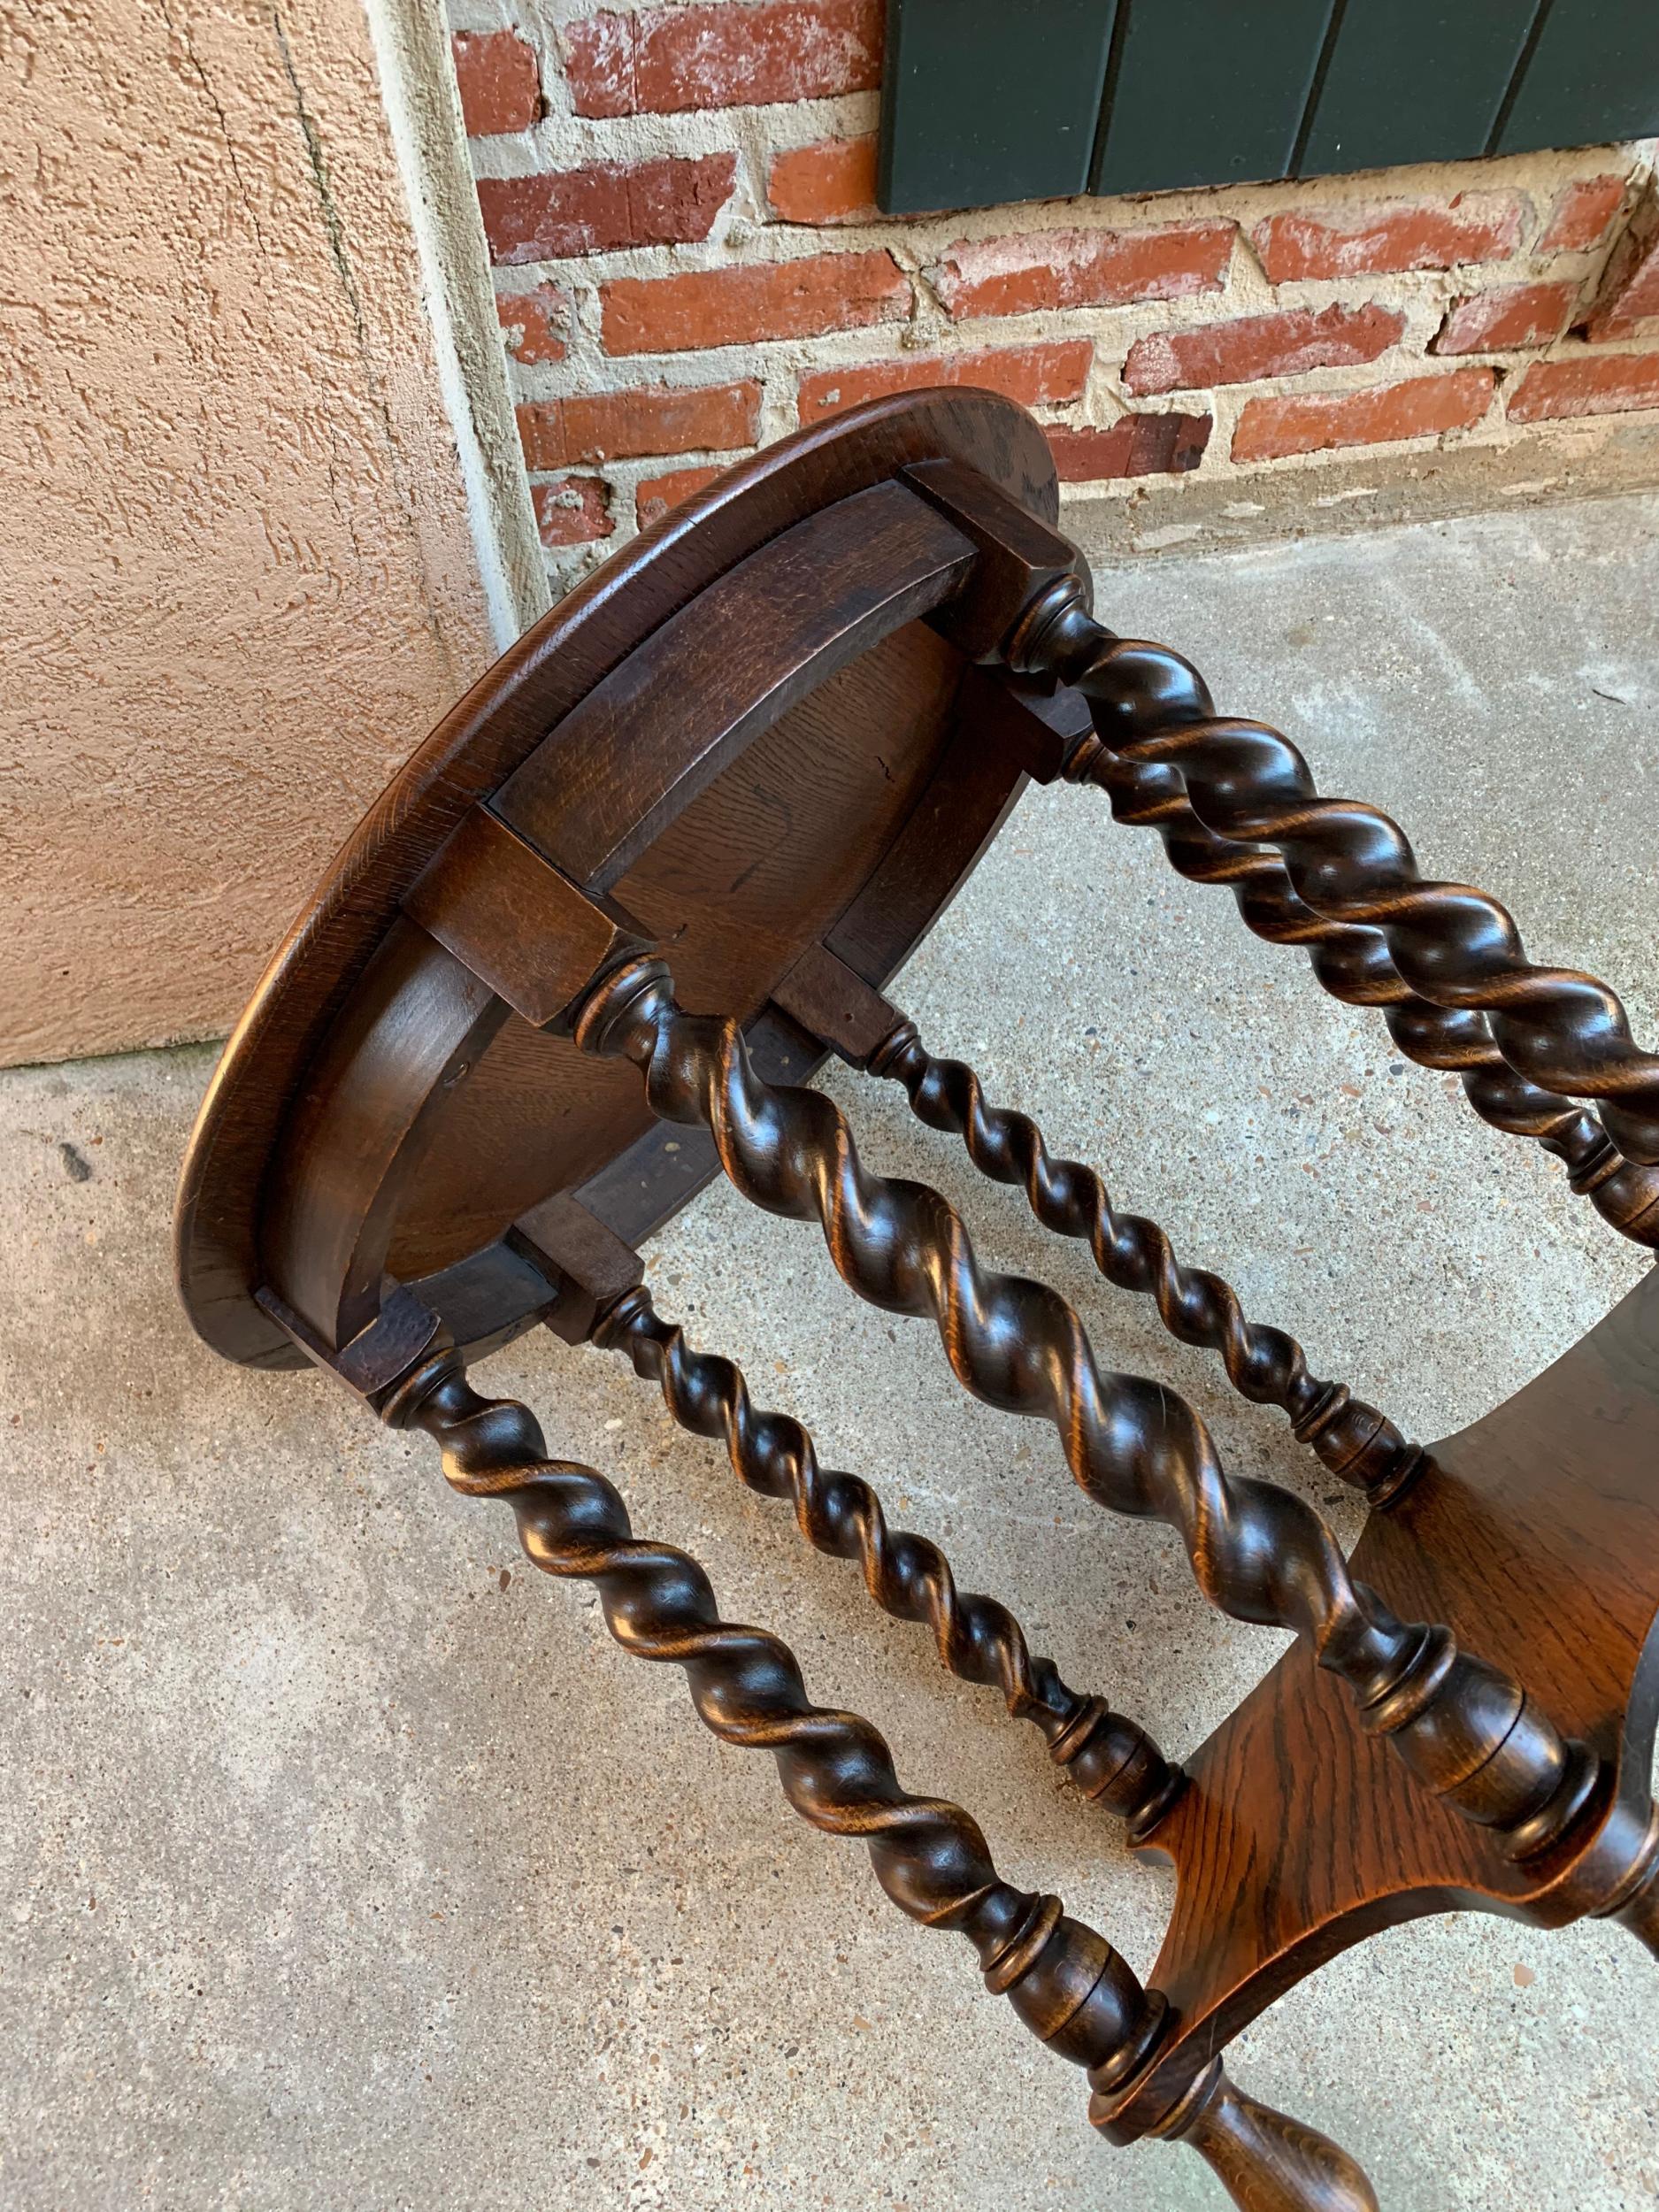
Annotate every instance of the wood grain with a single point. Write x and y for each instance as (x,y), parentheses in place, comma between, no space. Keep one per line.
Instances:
(1535,1536)
(485,736)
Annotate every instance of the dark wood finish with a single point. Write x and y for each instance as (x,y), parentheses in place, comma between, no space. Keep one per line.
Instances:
(1068,1986)
(978,780)
(402,1334)
(1017,554)
(829,1002)
(773,738)
(1456,946)
(1263,1363)
(1536,1535)
(491,1296)
(1352,1438)
(592,1267)
(648,1181)
(1465,1729)
(1154,720)
(484,1171)
(1111,1760)
(414,1031)
(516,920)
(636,752)
(759,861)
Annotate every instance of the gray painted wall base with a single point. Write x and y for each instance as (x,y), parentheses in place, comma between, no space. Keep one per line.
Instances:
(1195,514)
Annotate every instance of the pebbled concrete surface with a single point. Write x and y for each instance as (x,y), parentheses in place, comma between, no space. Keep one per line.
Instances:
(343,1860)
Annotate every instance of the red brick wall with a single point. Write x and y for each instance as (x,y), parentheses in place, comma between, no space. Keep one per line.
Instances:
(679,201)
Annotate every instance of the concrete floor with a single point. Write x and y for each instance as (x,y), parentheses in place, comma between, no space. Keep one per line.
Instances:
(347,1862)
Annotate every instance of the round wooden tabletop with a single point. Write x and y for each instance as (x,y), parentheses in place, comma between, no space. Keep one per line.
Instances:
(783,837)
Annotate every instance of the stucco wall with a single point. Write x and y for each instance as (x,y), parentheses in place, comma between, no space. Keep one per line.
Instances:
(238,576)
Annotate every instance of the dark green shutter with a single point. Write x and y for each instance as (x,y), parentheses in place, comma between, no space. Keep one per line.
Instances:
(1592,74)
(988,100)
(1414,81)
(1207,91)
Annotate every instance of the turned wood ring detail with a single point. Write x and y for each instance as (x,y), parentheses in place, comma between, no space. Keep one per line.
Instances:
(743,770)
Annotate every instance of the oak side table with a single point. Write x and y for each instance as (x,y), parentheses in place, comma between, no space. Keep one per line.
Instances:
(583,955)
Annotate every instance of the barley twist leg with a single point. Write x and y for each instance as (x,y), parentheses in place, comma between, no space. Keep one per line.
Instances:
(1139,693)
(1064,1981)
(1452,945)
(1109,1758)
(1354,965)
(1466,1729)
(1263,1363)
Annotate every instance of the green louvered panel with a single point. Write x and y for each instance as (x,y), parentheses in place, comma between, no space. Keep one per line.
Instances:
(1207,91)
(989,100)
(1414,81)
(1592,74)
(984,101)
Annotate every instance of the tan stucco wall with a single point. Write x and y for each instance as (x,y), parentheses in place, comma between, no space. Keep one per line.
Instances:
(239,577)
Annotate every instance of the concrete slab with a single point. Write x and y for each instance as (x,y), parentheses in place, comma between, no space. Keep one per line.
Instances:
(346,1861)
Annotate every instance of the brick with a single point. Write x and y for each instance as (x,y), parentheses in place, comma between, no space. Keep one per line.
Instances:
(662,61)
(1423,407)
(633,425)
(536,323)
(1082,268)
(1260,345)
(1037,376)
(831,182)
(1582,211)
(1340,242)
(1135,445)
(1514,315)
(1587,384)
(657,493)
(609,205)
(1629,290)
(743,306)
(574,512)
(500,88)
